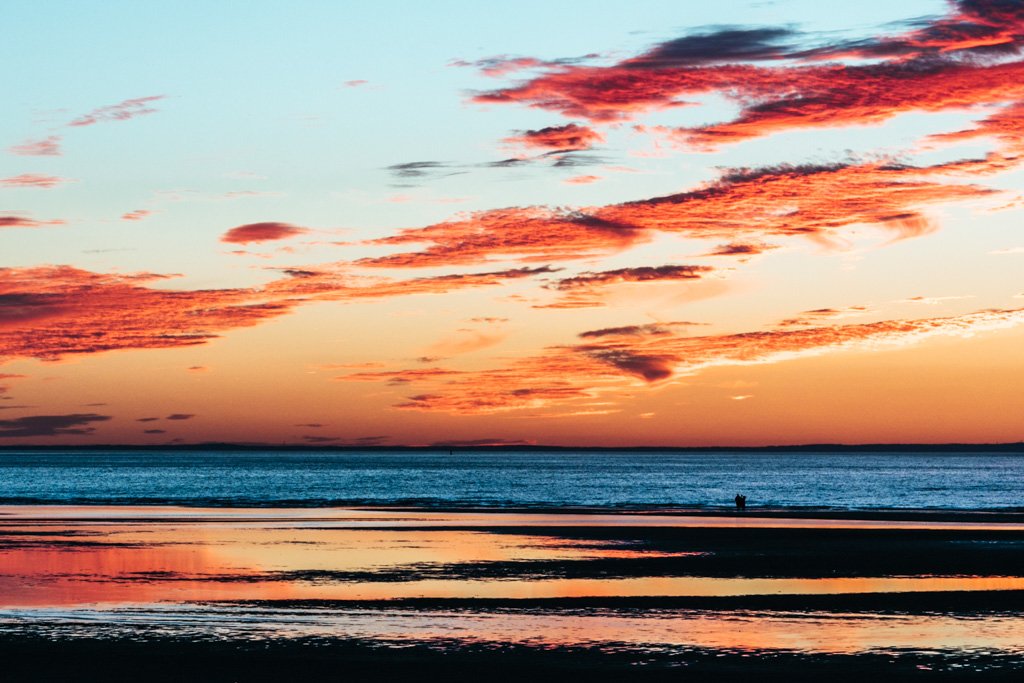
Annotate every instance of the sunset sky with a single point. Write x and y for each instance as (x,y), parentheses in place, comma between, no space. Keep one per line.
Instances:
(402,223)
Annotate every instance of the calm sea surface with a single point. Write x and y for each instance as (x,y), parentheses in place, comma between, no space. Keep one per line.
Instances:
(608,479)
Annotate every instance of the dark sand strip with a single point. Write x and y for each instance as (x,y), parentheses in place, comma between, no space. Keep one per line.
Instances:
(33,658)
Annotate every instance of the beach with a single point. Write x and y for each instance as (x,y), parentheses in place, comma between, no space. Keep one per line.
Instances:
(255,593)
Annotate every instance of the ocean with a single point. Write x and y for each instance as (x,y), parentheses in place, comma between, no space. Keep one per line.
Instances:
(606,479)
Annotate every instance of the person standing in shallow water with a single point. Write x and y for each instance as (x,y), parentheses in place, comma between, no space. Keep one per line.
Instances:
(741,502)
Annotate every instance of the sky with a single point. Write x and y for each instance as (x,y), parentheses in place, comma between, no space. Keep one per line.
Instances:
(452,223)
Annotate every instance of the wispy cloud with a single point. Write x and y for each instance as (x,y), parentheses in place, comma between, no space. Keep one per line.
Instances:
(582,179)
(122,111)
(34,180)
(615,361)
(587,289)
(14,221)
(932,300)
(46,147)
(818,316)
(137,215)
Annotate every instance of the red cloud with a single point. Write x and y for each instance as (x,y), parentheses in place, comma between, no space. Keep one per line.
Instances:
(34,180)
(261,232)
(22,222)
(746,205)
(528,234)
(962,60)
(976,27)
(795,200)
(617,358)
(571,136)
(50,312)
(47,147)
(839,95)
(122,111)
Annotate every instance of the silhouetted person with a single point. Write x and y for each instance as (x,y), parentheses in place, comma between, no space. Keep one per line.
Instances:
(741,502)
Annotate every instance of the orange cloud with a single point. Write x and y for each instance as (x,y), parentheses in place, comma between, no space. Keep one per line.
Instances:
(261,232)
(48,312)
(746,205)
(136,215)
(615,360)
(527,234)
(795,200)
(334,284)
(53,311)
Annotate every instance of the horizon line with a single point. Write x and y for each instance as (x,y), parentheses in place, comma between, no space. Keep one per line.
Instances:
(1016,446)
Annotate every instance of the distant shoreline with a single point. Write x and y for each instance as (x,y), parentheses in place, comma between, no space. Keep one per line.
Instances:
(960,448)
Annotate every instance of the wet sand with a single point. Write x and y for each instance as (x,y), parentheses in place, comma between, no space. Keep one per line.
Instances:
(247,592)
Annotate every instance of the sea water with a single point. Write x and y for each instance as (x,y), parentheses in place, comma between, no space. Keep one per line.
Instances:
(621,478)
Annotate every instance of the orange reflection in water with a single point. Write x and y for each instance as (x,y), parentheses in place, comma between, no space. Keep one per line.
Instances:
(69,556)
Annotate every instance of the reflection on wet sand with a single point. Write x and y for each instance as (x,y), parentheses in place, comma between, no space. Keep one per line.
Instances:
(67,556)
(142,565)
(736,631)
